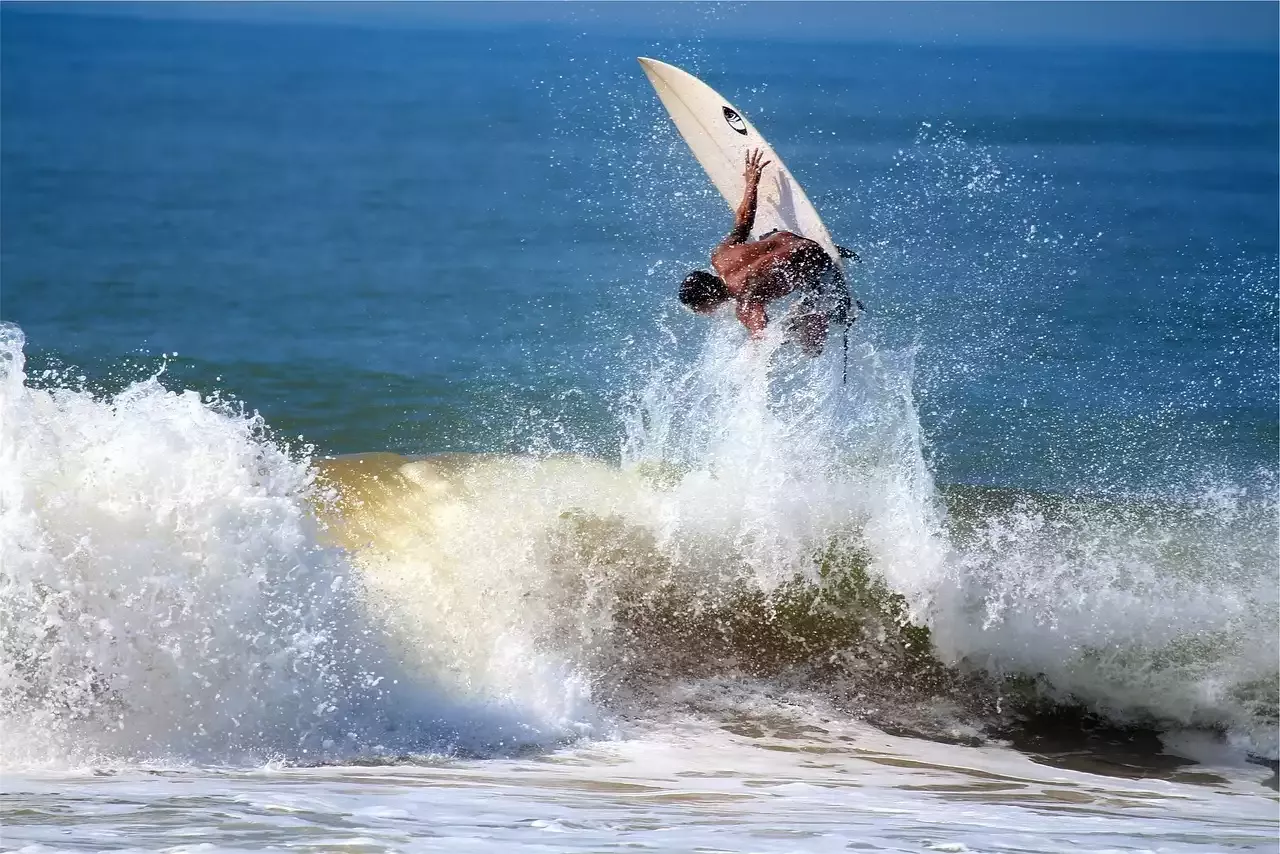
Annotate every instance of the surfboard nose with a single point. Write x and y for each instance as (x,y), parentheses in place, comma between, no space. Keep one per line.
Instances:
(658,68)
(664,74)
(652,69)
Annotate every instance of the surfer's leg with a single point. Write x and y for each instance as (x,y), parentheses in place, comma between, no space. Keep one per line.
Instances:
(808,326)
(810,332)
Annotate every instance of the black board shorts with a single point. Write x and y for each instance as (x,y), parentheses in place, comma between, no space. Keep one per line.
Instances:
(822,288)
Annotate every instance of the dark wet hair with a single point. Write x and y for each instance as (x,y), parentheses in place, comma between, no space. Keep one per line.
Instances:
(701,290)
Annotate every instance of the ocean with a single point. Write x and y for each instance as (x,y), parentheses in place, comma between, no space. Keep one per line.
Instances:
(364,487)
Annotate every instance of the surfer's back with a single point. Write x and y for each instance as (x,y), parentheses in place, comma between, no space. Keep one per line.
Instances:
(771,267)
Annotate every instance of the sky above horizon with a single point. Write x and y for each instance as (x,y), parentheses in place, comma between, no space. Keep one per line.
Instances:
(1221,24)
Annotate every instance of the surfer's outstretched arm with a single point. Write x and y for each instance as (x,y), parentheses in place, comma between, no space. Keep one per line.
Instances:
(746,214)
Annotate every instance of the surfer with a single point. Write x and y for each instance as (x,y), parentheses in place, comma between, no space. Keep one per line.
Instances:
(754,273)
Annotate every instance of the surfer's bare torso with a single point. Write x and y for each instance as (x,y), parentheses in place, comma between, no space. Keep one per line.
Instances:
(756,272)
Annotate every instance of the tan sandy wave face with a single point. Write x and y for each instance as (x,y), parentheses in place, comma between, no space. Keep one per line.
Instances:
(558,580)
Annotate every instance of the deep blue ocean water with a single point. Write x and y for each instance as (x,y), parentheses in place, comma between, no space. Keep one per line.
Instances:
(424,241)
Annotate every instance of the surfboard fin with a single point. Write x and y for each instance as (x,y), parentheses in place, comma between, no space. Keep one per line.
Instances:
(847,253)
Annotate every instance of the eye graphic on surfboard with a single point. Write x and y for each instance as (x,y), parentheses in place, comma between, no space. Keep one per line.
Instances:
(735,121)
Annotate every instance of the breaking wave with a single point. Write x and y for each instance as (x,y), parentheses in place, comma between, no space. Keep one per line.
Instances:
(177,582)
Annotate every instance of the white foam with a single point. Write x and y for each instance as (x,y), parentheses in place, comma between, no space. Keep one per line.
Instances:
(1135,608)
(1139,608)
(164,592)
(165,589)
(781,455)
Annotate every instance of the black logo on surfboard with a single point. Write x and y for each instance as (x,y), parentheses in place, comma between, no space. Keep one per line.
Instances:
(735,121)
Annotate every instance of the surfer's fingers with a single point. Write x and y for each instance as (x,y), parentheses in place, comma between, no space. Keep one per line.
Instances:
(755,161)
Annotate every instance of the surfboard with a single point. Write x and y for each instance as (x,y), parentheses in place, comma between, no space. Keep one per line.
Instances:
(720,137)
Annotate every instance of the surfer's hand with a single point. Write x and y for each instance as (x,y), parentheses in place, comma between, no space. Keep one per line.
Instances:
(755,166)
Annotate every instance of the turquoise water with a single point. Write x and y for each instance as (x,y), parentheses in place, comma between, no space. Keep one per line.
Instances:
(364,483)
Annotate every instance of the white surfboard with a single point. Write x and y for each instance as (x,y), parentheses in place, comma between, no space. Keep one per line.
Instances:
(720,137)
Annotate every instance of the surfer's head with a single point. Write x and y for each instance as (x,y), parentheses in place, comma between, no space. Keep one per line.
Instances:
(703,292)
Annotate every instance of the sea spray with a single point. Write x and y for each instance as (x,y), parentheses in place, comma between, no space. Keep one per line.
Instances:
(1142,608)
(1139,608)
(169,592)
(700,554)
(770,521)
(164,595)
(782,455)
(451,552)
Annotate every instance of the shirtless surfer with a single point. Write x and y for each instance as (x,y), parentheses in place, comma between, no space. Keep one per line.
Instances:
(753,273)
